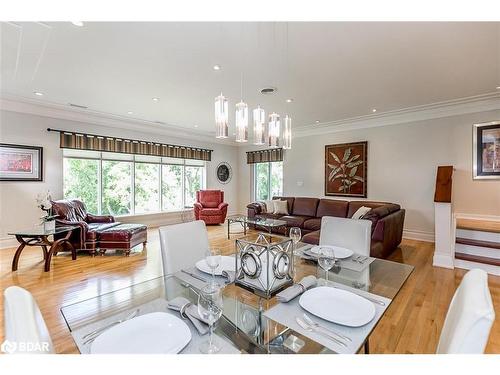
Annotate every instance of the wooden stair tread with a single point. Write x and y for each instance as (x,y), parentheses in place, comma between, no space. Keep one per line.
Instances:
(468,241)
(478,259)
(479,225)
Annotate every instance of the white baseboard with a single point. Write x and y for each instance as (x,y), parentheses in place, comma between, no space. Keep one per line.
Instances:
(8,242)
(419,235)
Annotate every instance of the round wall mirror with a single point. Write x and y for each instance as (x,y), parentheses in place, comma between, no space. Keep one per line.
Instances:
(224,173)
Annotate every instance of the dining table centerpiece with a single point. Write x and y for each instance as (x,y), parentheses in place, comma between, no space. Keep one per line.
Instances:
(264,266)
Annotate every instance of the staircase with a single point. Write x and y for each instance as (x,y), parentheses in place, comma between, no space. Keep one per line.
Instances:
(477,244)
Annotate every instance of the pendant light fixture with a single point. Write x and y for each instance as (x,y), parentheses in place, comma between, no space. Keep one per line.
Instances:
(287,133)
(259,126)
(241,118)
(221,117)
(274,130)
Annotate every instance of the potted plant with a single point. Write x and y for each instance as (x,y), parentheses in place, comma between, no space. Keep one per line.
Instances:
(44,203)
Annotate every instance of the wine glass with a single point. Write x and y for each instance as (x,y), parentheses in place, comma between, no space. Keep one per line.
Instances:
(326,259)
(213,260)
(210,309)
(295,235)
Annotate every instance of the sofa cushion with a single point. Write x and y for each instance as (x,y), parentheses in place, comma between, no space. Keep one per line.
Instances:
(305,206)
(281,207)
(313,224)
(294,220)
(210,212)
(354,205)
(332,207)
(311,238)
(290,201)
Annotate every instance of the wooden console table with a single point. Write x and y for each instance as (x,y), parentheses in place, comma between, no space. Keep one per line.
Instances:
(38,236)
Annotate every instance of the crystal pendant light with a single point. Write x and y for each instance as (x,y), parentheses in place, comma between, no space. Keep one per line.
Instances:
(241,122)
(274,130)
(287,133)
(221,117)
(259,126)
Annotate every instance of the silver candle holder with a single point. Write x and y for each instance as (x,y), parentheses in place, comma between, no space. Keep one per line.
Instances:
(264,266)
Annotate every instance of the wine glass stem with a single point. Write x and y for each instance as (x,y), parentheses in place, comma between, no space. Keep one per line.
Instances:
(326,276)
(210,331)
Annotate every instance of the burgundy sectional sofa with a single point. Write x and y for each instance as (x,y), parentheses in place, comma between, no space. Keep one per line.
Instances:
(306,213)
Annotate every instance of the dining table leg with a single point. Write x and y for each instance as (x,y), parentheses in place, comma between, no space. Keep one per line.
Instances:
(367,346)
(19,250)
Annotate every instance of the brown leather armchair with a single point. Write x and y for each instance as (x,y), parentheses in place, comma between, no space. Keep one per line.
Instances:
(73,212)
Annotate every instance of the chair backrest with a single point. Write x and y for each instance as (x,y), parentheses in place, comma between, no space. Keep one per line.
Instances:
(210,198)
(25,329)
(182,245)
(352,234)
(70,209)
(469,318)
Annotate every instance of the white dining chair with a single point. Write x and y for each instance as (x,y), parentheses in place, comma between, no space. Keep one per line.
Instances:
(352,234)
(182,245)
(25,329)
(470,316)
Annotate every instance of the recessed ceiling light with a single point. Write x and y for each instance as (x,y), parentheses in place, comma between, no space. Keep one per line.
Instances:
(196,126)
(38,93)
(130,112)
(77,23)
(498,87)
(317,121)
(289,100)
(374,110)
(155,99)
(216,67)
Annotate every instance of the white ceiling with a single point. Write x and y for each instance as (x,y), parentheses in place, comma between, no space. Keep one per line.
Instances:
(332,71)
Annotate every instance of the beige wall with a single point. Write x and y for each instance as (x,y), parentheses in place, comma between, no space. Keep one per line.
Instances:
(402,161)
(17,199)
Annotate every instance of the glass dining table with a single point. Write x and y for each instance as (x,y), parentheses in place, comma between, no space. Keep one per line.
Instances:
(244,322)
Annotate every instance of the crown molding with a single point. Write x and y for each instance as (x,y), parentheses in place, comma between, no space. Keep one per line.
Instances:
(455,107)
(20,104)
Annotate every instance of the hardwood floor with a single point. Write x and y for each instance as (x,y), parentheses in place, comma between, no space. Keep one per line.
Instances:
(412,324)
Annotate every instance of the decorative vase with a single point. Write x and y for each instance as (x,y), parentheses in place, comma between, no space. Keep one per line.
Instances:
(49,225)
(264,266)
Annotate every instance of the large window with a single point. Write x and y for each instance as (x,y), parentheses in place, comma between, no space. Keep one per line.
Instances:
(268,180)
(121,184)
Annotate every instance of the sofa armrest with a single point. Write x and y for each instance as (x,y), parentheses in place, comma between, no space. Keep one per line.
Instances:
(81,224)
(100,219)
(257,208)
(197,206)
(222,206)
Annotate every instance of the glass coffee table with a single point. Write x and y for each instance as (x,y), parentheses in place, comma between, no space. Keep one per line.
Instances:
(39,236)
(245,221)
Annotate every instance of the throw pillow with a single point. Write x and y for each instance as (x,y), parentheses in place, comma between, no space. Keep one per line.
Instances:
(280,207)
(360,212)
(269,206)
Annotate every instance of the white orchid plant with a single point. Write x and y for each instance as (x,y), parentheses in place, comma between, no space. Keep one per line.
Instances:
(44,203)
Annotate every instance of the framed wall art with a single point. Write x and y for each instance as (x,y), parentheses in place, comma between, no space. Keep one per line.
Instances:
(346,169)
(21,163)
(224,173)
(486,151)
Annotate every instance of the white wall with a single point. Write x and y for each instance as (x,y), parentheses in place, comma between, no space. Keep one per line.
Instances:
(402,162)
(17,199)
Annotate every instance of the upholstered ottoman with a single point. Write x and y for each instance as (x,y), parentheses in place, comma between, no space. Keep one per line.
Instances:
(122,237)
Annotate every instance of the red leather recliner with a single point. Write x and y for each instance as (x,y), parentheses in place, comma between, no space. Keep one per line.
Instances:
(210,206)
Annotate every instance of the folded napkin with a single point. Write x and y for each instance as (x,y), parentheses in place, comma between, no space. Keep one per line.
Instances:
(189,310)
(297,289)
(229,275)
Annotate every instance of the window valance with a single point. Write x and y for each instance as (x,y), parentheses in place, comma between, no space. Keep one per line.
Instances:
(264,156)
(92,142)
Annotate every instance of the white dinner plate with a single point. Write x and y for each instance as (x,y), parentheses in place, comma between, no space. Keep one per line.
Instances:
(338,306)
(154,333)
(340,252)
(226,264)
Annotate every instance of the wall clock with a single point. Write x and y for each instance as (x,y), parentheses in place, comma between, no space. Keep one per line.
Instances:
(224,173)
